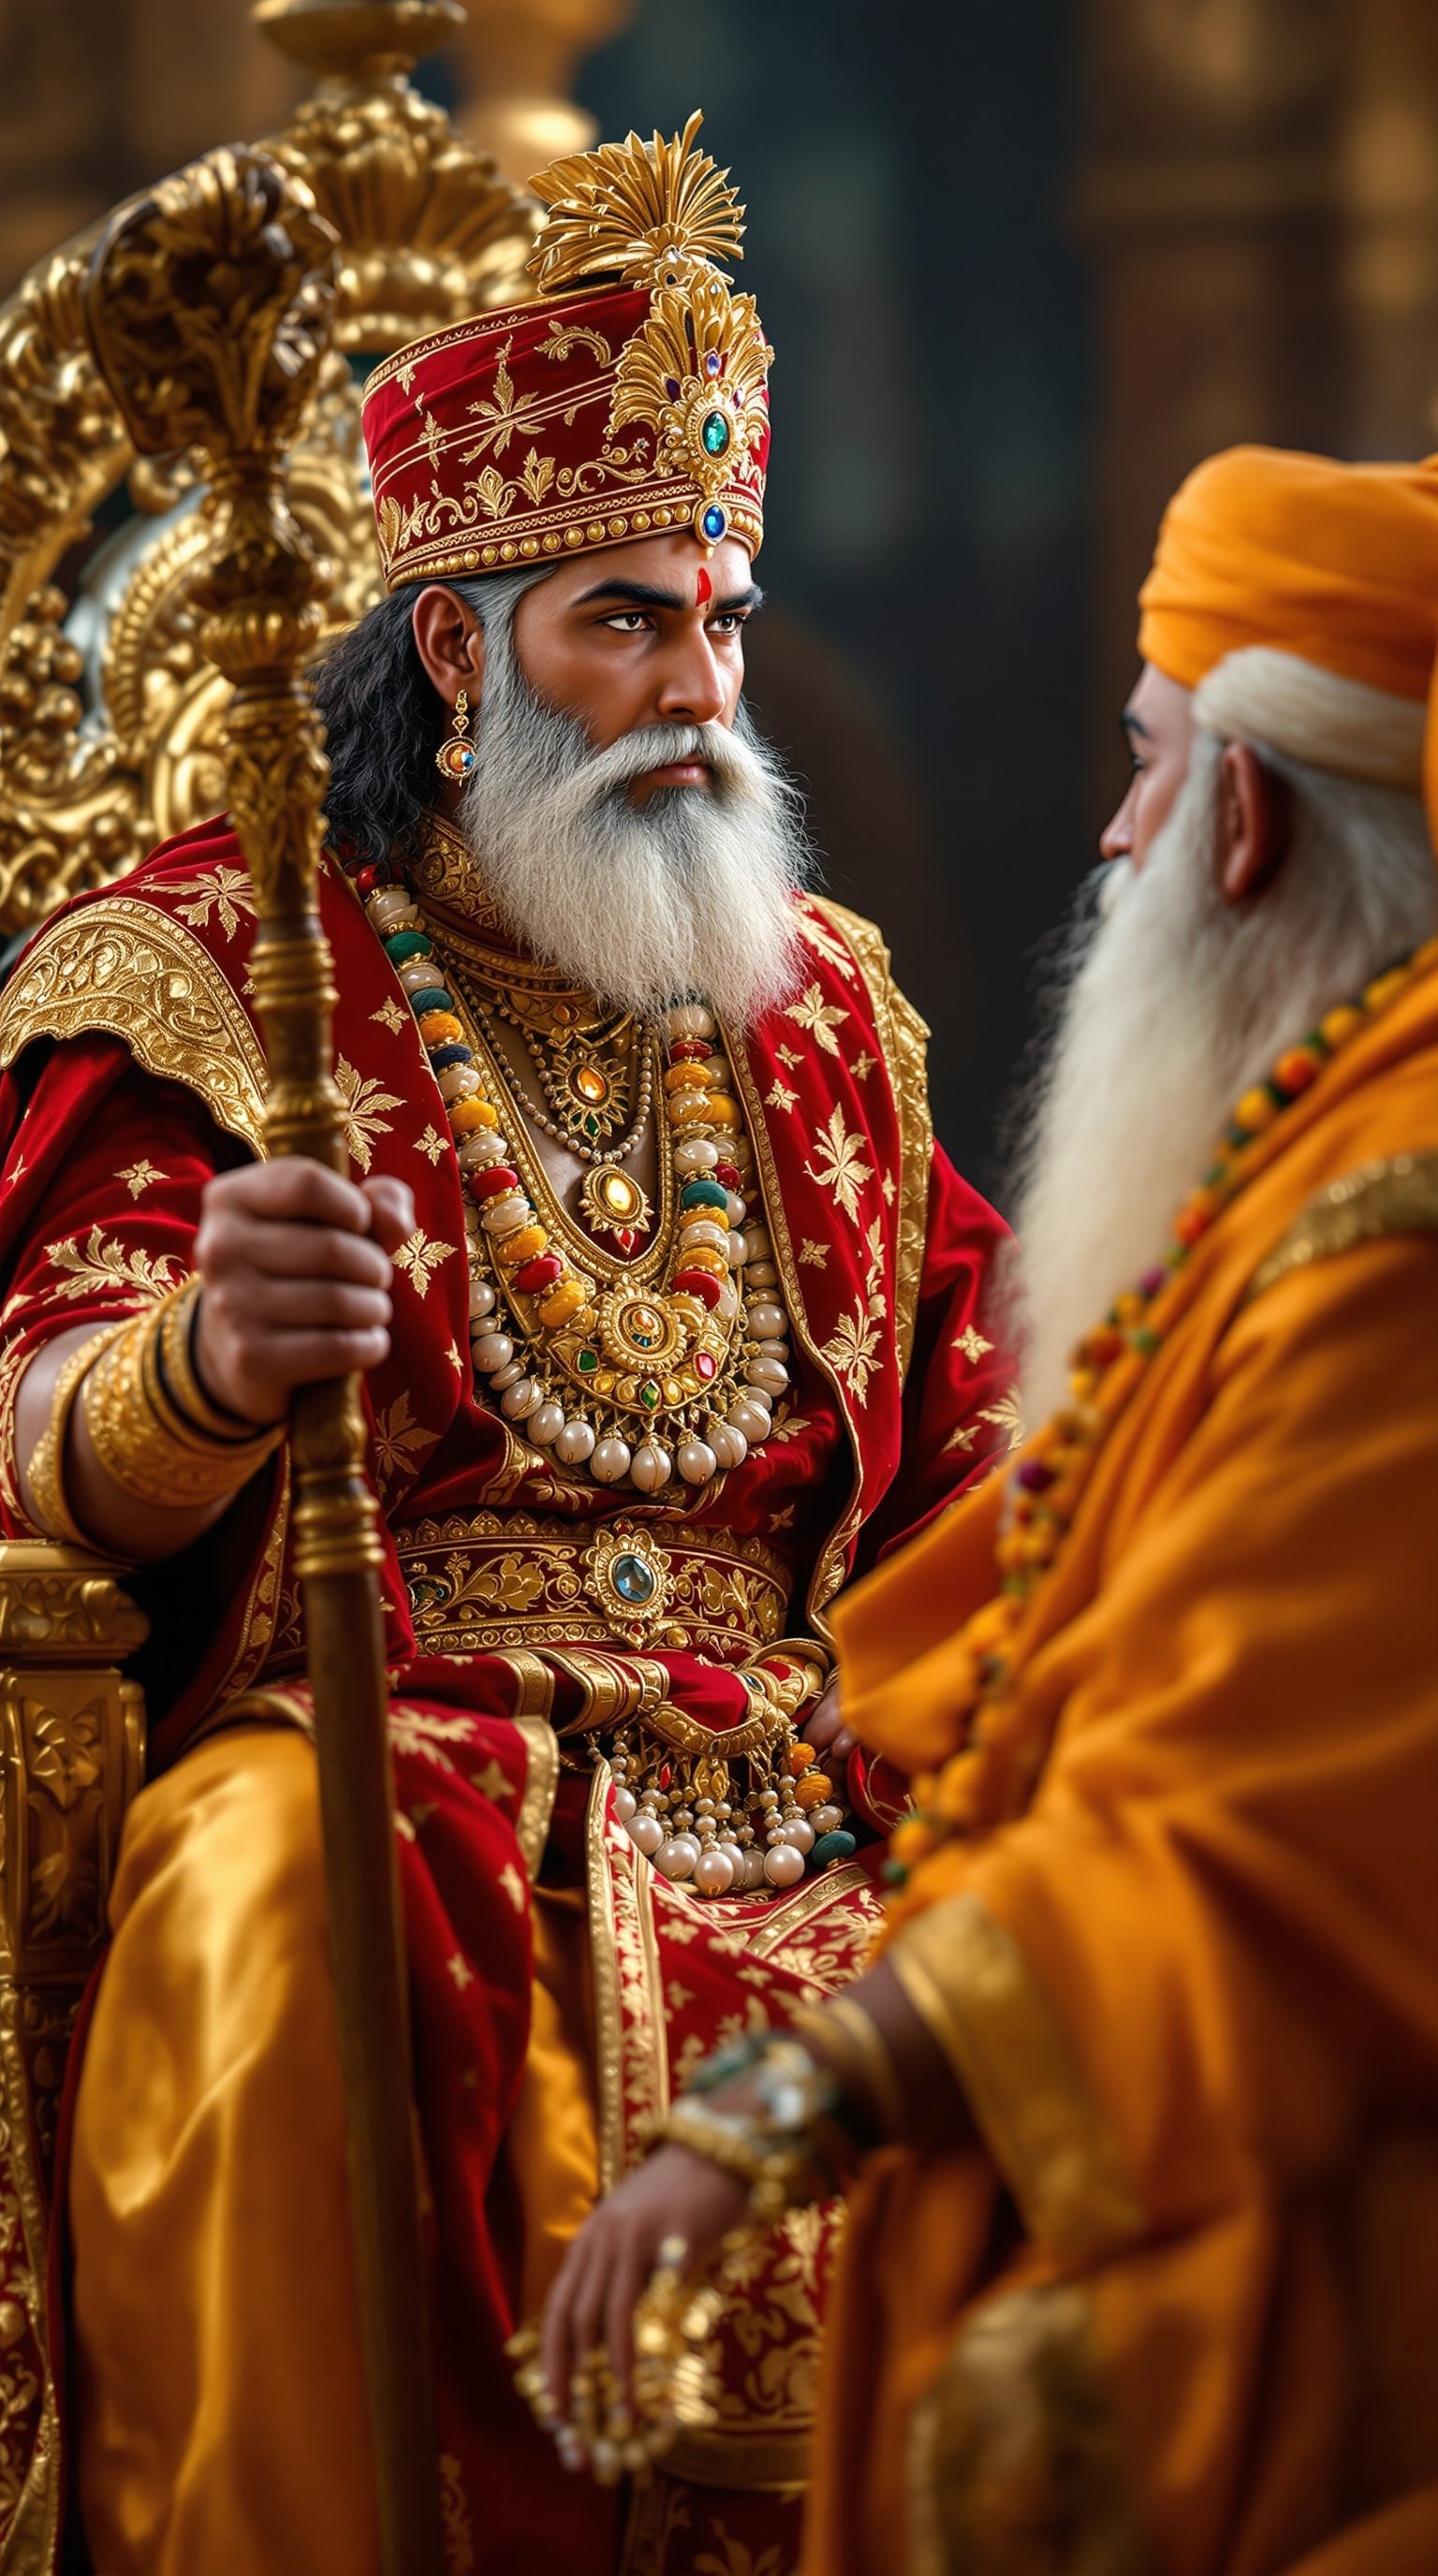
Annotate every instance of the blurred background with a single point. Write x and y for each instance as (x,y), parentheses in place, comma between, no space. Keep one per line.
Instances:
(1022,267)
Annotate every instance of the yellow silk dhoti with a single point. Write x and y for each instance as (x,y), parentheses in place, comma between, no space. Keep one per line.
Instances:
(221,2424)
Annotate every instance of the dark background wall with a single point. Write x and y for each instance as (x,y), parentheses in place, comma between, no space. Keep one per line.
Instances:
(921,655)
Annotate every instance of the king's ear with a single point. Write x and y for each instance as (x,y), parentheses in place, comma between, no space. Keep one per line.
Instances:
(1255,823)
(449,640)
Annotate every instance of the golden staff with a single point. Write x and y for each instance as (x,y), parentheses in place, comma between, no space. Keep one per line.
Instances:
(209,305)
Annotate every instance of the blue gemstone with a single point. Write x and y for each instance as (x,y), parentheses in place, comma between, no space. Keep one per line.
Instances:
(433,998)
(835,1846)
(633,1580)
(715,433)
(712,362)
(714,523)
(699,1193)
(442,1057)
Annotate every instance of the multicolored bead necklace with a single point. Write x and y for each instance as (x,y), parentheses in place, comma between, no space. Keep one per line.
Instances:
(702,1360)
(1048,1481)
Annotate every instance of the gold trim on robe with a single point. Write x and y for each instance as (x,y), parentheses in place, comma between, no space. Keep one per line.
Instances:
(1397,1195)
(968,1979)
(126,968)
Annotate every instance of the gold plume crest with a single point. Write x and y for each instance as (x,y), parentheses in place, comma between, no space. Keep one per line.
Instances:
(652,214)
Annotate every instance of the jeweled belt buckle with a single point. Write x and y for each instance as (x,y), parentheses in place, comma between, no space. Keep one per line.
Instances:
(631,1577)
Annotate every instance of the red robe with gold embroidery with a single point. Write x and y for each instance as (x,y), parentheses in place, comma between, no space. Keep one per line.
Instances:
(492,1576)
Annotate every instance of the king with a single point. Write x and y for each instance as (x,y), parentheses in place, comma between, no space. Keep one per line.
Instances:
(670,1314)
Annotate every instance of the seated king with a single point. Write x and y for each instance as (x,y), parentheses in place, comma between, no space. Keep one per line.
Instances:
(670,1316)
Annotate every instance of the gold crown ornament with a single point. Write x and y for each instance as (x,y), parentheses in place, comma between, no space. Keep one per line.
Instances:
(629,399)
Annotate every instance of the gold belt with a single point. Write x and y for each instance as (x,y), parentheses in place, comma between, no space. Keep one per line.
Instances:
(482,1581)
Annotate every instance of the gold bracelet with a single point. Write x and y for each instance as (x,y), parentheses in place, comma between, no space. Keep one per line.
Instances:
(141,1438)
(197,1410)
(45,1472)
(843,2026)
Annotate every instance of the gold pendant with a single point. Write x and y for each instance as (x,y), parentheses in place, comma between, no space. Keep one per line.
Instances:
(613,1203)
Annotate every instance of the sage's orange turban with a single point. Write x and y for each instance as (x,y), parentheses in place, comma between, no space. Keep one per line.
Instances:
(1337,564)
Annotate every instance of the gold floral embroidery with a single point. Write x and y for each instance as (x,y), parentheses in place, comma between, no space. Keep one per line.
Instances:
(139,1175)
(460,1969)
(814,1254)
(420,1258)
(399,1441)
(824,944)
(105,1267)
(852,1349)
(904,1039)
(432,1144)
(390,1016)
(513,1886)
(364,1097)
(226,892)
(821,1018)
(971,1344)
(780,1097)
(456,2521)
(1007,1416)
(863,1065)
(842,1167)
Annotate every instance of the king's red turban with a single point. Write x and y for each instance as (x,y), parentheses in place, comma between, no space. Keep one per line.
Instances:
(629,398)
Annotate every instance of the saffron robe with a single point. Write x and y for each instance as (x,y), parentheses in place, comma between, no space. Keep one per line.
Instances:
(1178,2313)
(136,1073)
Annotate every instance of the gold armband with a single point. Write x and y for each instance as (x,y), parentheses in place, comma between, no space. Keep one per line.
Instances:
(45,1473)
(138,1399)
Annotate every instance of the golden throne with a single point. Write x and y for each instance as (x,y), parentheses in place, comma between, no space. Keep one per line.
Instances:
(110,741)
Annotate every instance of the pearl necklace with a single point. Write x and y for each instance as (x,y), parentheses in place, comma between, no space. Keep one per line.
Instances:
(693,1359)
(1050,1477)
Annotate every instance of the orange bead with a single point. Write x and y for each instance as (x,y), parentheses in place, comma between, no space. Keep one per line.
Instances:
(703,1256)
(912,1840)
(440,1028)
(522,1245)
(1338,1026)
(815,1789)
(1385,988)
(469,1117)
(562,1303)
(724,1113)
(689,1107)
(1296,1069)
(1255,1111)
(687,1077)
(800,1757)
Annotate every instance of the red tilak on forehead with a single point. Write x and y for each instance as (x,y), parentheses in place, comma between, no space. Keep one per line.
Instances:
(703,588)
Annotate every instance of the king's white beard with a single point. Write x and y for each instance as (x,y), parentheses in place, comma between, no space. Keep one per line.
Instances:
(1174,1001)
(688,894)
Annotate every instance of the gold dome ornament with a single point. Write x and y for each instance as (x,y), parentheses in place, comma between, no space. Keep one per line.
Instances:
(456,757)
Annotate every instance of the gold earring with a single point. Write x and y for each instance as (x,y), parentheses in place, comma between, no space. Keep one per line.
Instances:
(456,758)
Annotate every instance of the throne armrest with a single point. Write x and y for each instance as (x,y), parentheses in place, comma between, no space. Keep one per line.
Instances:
(72,1746)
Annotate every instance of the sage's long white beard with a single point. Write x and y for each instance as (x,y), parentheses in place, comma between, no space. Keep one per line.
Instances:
(1175,1002)
(690,893)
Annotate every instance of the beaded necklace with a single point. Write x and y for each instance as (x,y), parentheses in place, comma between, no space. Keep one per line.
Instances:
(635,1381)
(1048,1481)
(586,1074)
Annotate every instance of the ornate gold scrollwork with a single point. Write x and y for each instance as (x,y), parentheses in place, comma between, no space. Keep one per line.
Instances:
(110,715)
(72,1742)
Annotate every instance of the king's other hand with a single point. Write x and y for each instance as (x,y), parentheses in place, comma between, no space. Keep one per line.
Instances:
(296,1273)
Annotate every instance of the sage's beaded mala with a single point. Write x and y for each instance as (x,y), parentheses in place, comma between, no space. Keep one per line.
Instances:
(1048,1481)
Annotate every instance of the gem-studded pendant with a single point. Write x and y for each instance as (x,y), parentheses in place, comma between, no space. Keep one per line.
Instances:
(614,1204)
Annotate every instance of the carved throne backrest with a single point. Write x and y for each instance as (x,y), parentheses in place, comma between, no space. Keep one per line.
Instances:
(109,713)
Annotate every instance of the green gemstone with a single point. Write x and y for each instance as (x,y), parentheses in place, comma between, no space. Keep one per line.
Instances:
(715,433)
(587,1363)
(649,1394)
(591,1126)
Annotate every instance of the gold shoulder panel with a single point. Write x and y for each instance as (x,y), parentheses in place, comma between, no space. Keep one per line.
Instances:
(1396,1196)
(904,1037)
(124,967)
